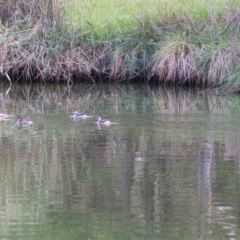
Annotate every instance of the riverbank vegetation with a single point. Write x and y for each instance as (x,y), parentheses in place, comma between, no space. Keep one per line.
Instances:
(181,42)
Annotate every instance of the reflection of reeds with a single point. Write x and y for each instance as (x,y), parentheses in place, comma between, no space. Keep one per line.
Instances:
(63,169)
(94,99)
(177,100)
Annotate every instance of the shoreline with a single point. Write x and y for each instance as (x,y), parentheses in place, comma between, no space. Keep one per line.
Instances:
(179,50)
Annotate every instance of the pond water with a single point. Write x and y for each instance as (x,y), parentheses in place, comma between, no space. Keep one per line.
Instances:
(170,168)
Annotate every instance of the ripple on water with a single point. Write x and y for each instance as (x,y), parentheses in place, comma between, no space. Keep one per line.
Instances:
(164,172)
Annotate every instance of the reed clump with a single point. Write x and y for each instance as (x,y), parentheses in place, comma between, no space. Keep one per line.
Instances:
(39,43)
(175,63)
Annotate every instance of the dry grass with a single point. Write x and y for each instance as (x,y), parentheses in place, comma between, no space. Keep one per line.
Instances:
(176,63)
(36,44)
(216,67)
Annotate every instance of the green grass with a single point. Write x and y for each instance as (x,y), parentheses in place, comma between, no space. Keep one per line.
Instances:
(141,32)
(119,40)
(104,16)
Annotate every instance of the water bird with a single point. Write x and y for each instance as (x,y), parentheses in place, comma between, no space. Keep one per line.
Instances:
(77,114)
(23,122)
(3,115)
(104,122)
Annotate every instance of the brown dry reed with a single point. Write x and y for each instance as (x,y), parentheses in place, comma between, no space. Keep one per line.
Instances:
(38,44)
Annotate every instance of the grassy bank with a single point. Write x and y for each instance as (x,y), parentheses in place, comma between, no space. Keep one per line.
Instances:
(119,15)
(175,42)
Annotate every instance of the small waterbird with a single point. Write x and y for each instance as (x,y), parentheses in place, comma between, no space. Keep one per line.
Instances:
(3,115)
(104,122)
(77,114)
(23,122)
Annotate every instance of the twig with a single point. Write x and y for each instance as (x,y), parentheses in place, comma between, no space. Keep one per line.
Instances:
(225,29)
(9,79)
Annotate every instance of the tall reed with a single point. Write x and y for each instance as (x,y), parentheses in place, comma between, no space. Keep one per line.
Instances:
(38,43)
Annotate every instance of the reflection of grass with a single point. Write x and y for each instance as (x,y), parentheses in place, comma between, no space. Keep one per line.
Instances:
(96,99)
(61,175)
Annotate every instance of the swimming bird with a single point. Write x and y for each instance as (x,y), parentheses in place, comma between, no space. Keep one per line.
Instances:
(23,122)
(77,114)
(4,115)
(104,122)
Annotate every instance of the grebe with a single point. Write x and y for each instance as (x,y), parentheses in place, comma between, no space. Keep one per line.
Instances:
(77,114)
(3,115)
(23,122)
(104,122)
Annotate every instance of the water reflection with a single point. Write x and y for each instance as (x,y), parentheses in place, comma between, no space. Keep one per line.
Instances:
(42,99)
(168,170)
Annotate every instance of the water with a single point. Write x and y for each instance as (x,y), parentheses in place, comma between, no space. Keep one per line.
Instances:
(169,170)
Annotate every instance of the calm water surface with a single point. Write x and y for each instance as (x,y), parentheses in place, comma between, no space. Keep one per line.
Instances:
(169,170)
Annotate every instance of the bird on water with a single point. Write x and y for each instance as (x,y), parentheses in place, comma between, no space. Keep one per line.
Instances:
(3,115)
(23,122)
(79,115)
(104,122)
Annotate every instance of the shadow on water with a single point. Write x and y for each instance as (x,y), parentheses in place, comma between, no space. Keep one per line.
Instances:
(168,170)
